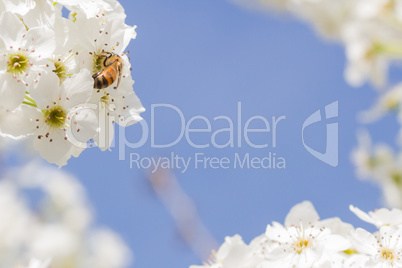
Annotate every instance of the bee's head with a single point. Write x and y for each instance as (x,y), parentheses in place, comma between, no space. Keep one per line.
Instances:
(100,60)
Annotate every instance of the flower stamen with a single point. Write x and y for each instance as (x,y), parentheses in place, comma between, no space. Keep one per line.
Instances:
(18,63)
(55,117)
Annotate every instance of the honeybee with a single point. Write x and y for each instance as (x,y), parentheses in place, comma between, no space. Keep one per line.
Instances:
(113,66)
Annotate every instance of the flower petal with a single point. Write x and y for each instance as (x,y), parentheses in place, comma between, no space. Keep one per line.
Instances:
(43,14)
(41,40)
(303,213)
(77,89)
(12,34)
(362,215)
(84,124)
(277,232)
(54,151)
(19,6)
(47,90)
(104,138)
(130,111)
(335,243)
(17,124)
(363,241)
(12,92)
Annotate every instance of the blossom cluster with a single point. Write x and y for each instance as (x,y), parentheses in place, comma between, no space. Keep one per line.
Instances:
(49,65)
(381,164)
(46,221)
(306,241)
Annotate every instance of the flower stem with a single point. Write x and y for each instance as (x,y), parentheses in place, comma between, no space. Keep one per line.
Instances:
(30,104)
(33,102)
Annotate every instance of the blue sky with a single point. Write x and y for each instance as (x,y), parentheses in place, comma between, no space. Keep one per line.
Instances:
(204,57)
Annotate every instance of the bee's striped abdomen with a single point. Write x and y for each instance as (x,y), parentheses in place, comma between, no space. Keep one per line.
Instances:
(105,78)
(97,82)
(109,74)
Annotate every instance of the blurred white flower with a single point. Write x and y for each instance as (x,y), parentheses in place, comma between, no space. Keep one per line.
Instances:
(380,217)
(38,264)
(381,164)
(327,17)
(108,250)
(367,50)
(372,9)
(15,217)
(388,102)
(372,161)
(60,228)
(369,29)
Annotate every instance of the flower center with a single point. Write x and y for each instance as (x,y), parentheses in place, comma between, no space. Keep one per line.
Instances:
(105,99)
(387,254)
(98,63)
(60,70)
(55,117)
(17,63)
(389,6)
(372,162)
(301,245)
(396,178)
(392,103)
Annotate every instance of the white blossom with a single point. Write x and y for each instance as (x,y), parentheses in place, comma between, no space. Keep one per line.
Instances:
(46,66)
(304,241)
(383,248)
(61,119)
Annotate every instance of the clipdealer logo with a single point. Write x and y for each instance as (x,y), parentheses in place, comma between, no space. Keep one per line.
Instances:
(330,156)
(238,132)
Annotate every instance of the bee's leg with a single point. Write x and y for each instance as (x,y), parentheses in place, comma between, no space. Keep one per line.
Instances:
(118,80)
(107,58)
(104,60)
(119,69)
